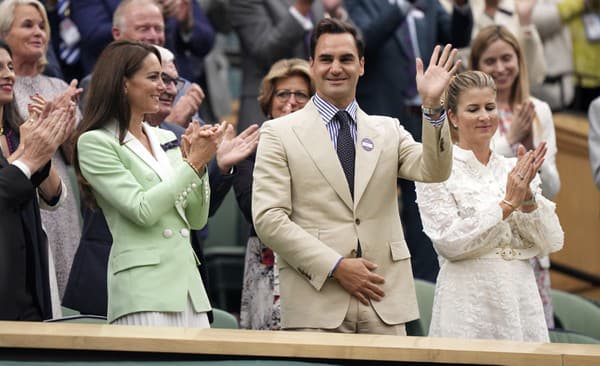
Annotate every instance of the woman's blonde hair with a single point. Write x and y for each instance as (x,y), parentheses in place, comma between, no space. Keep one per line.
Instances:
(7,17)
(519,92)
(458,85)
(280,70)
(520,89)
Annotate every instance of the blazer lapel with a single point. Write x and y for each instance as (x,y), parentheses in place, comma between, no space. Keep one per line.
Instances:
(161,165)
(166,162)
(401,34)
(313,135)
(369,144)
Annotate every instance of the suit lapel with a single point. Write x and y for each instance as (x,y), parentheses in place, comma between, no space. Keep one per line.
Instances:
(161,165)
(317,12)
(314,137)
(421,29)
(369,144)
(400,38)
(166,162)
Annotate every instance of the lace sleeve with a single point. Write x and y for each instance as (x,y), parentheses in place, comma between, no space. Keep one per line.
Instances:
(458,223)
(541,227)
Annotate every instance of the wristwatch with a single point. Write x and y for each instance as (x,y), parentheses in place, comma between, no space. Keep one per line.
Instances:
(432,111)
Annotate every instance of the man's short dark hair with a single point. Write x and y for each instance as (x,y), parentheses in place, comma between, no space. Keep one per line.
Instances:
(334,26)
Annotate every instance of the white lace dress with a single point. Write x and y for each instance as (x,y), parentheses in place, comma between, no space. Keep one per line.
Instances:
(490,298)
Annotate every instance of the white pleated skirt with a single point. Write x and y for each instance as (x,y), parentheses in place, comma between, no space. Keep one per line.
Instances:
(186,319)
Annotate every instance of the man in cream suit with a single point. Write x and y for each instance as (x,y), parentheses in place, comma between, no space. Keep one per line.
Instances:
(324,193)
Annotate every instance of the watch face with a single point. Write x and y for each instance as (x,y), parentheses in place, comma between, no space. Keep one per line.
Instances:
(427,110)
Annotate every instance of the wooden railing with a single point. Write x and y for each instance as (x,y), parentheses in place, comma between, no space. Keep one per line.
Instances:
(252,345)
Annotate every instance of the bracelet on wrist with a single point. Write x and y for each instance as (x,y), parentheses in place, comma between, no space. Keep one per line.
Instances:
(196,169)
(510,204)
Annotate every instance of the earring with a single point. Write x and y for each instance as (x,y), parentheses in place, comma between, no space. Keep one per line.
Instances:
(455,126)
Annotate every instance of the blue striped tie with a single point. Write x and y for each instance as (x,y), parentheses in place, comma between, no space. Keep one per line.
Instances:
(69,53)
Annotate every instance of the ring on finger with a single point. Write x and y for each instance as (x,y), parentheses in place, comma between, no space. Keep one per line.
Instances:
(521,176)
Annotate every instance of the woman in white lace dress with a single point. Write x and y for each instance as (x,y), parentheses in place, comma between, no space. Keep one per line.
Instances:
(486,221)
(523,120)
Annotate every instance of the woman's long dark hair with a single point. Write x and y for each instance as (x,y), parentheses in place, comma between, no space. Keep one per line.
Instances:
(10,115)
(105,100)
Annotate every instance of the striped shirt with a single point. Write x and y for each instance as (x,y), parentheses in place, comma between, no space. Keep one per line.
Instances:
(328,111)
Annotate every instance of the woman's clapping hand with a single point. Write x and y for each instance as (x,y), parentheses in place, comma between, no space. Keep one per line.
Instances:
(199,143)
(520,177)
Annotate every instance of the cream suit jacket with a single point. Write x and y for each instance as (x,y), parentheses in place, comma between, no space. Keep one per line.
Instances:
(302,208)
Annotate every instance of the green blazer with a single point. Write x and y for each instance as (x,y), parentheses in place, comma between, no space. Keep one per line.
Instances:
(150,206)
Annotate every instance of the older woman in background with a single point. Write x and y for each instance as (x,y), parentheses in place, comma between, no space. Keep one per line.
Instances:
(486,221)
(24,25)
(286,88)
(523,120)
(26,148)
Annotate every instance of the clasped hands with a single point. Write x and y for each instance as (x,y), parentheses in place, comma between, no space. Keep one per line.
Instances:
(518,190)
(199,144)
(43,133)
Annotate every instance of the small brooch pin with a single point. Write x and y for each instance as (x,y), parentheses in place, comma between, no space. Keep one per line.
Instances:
(170,145)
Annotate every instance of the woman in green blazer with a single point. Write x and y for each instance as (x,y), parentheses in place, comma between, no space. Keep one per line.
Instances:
(152,191)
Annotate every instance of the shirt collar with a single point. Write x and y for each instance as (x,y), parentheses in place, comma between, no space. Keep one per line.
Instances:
(469,157)
(328,110)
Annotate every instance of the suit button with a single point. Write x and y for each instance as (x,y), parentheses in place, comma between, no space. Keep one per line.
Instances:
(353,253)
(357,221)
(167,233)
(184,232)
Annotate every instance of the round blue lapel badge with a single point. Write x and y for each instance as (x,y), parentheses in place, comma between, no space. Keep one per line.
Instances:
(367,144)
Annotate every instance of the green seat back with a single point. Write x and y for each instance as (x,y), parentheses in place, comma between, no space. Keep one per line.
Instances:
(73,316)
(576,313)
(225,266)
(223,320)
(425,291)
(570,337)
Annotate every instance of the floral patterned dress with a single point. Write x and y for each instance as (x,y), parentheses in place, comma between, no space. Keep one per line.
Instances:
(260,307)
